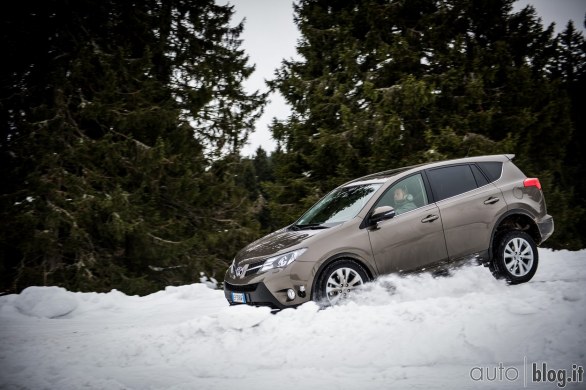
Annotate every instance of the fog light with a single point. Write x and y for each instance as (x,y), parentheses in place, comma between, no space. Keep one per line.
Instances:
(291,294)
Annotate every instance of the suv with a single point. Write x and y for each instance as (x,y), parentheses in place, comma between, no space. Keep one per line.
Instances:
(422,217)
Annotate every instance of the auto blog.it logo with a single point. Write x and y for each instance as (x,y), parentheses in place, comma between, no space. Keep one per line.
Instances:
(534,373)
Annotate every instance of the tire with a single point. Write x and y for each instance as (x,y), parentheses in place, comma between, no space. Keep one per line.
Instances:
(338,280)
(515,258)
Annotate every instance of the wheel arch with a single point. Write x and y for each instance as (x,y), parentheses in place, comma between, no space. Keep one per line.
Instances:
(517,219)
(370,271)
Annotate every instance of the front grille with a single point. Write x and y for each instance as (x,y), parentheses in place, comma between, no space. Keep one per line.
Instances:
(253,268)
(241,288)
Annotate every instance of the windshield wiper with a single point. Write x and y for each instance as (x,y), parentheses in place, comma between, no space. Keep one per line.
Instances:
(312,226)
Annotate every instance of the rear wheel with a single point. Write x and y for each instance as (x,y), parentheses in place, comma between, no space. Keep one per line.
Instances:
(338,280)
(515,257)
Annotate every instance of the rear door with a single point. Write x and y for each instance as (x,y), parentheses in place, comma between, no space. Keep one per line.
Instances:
(469,206)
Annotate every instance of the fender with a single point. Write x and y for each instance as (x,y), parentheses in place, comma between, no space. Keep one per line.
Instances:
(501,219)
(370,271)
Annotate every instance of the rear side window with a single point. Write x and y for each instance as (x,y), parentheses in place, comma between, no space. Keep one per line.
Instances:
(451,181)
(492,170)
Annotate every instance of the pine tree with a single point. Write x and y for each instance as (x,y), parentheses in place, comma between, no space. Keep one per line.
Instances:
(384,83)
(570,70)
(113,114)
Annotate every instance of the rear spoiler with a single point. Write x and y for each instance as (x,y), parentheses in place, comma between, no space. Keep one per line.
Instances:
(510,156)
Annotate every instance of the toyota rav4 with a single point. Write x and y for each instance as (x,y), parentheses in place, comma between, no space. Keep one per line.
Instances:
(422,217)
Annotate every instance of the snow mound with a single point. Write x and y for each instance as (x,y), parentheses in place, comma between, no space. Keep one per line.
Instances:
(242,317)
(45,302)
(405,332)
(191,292)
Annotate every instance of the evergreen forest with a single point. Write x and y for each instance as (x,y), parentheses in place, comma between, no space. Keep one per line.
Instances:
(123,124)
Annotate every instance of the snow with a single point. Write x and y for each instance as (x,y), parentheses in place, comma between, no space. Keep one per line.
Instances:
(45,302)
(414,332)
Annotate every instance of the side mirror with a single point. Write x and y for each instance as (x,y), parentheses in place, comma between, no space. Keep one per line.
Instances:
(381,213)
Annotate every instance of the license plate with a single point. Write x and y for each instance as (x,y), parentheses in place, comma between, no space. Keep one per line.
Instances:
(238,298)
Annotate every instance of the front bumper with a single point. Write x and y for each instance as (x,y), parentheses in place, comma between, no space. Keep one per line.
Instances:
(256,294)
(270,288)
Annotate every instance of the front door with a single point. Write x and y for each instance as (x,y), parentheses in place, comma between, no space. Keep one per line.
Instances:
(414,238)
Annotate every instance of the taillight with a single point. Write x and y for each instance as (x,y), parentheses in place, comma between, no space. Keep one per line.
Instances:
(532,182)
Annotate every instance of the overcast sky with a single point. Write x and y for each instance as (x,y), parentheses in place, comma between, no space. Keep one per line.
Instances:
(270,35)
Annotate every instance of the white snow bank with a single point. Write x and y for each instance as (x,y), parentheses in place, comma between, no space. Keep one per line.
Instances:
(45,302)
(415,332)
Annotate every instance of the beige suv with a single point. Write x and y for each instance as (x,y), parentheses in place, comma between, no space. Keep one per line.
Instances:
(425,217)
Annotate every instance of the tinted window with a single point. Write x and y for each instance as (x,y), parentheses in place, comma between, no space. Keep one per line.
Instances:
(492,169)
(451,181)
(480,179)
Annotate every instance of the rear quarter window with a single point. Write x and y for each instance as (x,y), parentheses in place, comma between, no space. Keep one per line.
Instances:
(492,170)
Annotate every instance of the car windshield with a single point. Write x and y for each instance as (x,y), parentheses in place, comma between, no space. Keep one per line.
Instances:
(339,205)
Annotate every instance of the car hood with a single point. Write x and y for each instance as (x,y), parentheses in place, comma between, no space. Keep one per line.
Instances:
(276,242)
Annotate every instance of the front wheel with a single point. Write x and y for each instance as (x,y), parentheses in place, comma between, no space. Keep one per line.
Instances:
(337,281)
(515,257)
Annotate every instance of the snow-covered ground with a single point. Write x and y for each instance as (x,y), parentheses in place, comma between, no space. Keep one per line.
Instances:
(467,331)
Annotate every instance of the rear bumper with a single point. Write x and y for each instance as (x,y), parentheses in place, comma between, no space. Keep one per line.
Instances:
(546,227)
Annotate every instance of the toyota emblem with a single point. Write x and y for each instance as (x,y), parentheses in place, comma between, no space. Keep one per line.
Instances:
(240,271)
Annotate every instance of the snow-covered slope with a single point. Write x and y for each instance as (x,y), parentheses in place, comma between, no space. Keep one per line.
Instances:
(415,332)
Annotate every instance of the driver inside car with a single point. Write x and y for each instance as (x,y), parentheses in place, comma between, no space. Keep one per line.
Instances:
(403,201)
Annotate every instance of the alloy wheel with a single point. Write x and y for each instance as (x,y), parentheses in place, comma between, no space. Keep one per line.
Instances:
(518,257)
(341,282)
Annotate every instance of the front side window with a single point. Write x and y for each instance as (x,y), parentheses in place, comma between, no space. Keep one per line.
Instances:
(405,195)
(339,205)
(451,181)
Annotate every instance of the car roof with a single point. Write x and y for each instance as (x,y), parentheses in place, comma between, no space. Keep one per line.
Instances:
(384,176)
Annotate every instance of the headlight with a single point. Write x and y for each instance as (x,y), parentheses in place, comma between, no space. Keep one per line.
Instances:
(281,261)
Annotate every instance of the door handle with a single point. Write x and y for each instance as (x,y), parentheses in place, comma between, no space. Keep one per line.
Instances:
(430,218)
(491,200)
